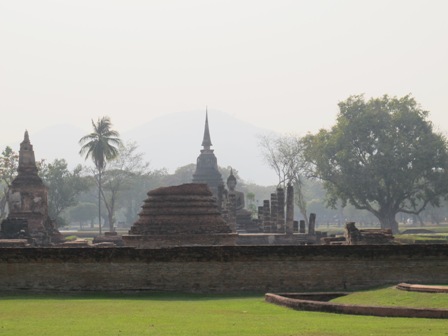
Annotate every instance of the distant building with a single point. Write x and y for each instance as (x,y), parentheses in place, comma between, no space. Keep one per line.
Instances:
(207,164)
(28,203)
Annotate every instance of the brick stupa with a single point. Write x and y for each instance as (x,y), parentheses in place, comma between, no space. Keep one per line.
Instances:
(207,164)
(184,215)
(28,203)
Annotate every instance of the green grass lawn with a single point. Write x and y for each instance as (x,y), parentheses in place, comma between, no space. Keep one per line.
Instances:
(394,297)
(179,314)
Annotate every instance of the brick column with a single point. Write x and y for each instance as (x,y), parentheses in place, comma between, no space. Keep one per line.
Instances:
(266,216)
(302,226)
(280,210)
(312,224)
(289,209)
(232,212)
(274,213)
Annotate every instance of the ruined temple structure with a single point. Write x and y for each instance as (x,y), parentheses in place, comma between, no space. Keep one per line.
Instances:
(207,164)
(232,204)
(354,236)
(27,202)
(277,226)
(184,215)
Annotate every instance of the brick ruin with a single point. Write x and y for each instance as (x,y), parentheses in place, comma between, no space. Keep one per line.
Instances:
(276,225)
(207,164)
(184,215)
(355,236)
(275,217)
(221,269)
(28,204)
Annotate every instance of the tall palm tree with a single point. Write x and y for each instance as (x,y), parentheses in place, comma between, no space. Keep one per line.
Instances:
(101,146)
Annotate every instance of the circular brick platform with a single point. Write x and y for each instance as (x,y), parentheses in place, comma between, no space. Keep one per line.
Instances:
(306,302)
(422,288)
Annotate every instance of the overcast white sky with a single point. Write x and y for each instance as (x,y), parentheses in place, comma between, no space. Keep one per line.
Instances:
(281,65)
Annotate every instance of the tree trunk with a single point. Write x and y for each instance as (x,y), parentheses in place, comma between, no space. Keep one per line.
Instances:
(388,221)
(111,218)
(99,200)
(422,223)
(301,204)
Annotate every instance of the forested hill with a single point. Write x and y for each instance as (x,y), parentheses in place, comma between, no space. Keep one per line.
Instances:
(170,141)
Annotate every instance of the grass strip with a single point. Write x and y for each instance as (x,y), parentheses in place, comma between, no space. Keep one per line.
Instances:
(396,298)
(180,314)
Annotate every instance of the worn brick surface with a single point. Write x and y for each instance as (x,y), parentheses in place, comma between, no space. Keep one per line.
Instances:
(221,268)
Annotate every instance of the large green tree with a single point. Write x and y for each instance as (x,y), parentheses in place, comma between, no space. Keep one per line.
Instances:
(123,173)
(101,146)
(64,186)
(9,162)
(382,156)
(82,213)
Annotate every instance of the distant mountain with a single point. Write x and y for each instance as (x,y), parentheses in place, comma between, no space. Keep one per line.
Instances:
(174,140)
(170,141)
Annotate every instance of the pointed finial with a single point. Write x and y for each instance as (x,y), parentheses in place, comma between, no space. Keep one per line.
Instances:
(231,176)
(206,142)
(26,137)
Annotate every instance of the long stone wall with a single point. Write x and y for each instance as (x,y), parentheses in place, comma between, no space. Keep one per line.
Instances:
(221,268)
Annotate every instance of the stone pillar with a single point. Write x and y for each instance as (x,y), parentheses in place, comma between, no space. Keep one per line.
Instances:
(302,226)
(274,212)
(280,210)
(289,209)
(266,216)
(260,218)
(231,208)
(220,199)
(312,224)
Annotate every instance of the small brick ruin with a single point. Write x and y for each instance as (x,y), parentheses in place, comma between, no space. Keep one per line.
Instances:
(184,215)
(28,204)
(354,236)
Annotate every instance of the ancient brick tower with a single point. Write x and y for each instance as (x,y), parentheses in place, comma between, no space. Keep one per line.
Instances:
(184,215)
(28,202)
(207,164)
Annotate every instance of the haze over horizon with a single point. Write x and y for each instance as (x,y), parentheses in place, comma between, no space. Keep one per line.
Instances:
(279,65)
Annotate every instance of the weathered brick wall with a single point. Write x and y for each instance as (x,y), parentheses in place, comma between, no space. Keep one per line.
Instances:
(221,269)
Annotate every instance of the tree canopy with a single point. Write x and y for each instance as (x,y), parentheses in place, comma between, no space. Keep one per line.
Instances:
(101,146)
(64,186)
(382,156)
(9,162)
(285,155)
(124,173)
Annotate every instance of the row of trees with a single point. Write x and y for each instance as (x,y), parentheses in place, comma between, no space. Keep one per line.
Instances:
(383,156)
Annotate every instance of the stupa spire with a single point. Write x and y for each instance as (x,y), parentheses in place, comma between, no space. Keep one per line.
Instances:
(206,142)
(27,162)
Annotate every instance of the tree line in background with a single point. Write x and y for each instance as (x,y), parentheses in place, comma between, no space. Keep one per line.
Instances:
(383,156)
(380,162)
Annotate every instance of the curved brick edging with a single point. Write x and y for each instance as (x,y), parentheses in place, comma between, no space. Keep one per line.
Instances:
(422,288)
(328,307)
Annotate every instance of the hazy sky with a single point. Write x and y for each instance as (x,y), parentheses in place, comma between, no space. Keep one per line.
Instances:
(281,65)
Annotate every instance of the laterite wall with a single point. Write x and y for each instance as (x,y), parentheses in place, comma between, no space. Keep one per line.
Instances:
(222,268)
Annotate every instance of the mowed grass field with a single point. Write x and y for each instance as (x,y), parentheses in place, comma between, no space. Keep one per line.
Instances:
(391,296)
(180,314)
